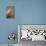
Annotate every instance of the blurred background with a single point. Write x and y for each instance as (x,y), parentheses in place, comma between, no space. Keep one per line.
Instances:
(26,12)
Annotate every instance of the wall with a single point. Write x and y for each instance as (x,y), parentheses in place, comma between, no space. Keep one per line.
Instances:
(6,25)
(31,11)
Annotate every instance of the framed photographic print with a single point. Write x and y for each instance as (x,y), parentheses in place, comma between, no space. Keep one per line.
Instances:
(32,32)
(10,11)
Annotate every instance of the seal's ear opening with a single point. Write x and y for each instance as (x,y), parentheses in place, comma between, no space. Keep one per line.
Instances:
(10,12)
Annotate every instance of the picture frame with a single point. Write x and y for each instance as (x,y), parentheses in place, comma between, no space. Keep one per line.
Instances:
(10,11)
